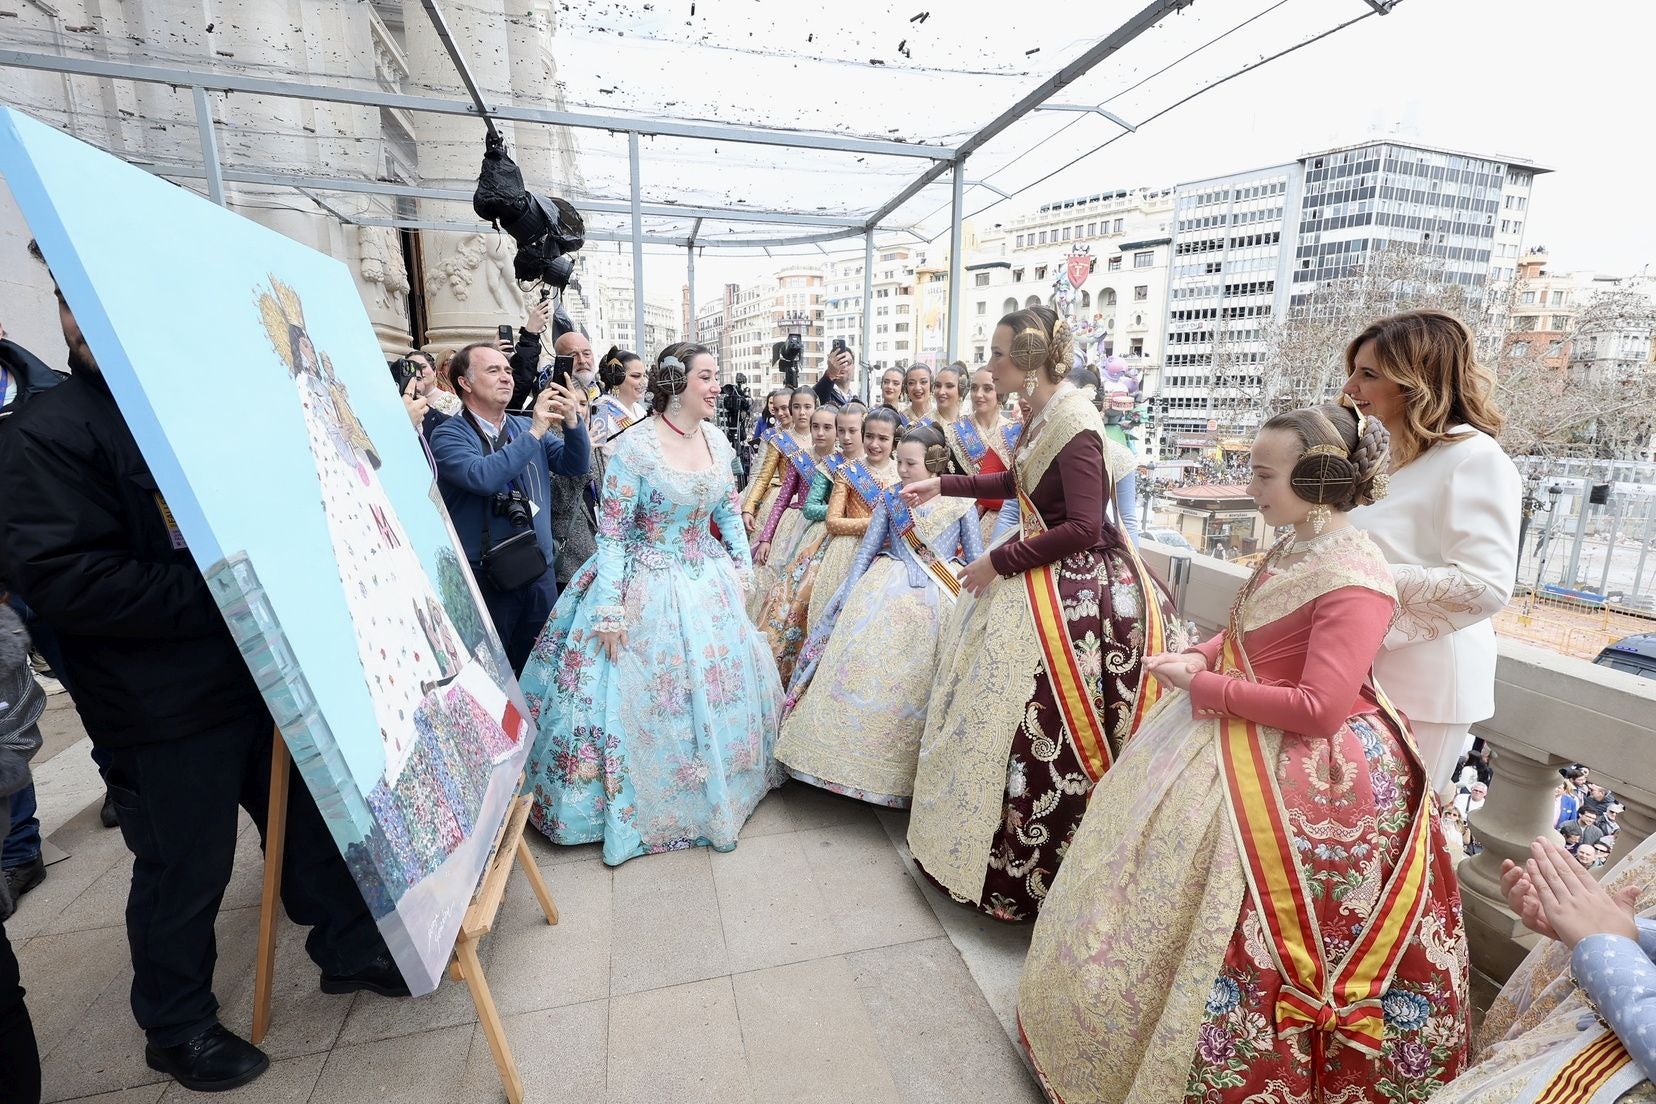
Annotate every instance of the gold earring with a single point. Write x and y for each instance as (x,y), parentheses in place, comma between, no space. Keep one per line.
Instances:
(1029,384)
(1318,517)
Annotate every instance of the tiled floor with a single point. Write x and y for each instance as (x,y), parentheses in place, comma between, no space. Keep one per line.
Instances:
(806,965)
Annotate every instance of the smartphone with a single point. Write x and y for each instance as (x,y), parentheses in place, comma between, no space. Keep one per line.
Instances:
(506,334)
(558,370)
(839,345)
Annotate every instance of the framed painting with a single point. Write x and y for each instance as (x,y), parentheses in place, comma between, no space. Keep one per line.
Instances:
(246,368)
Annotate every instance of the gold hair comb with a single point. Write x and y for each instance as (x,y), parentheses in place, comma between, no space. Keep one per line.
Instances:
(1327,450)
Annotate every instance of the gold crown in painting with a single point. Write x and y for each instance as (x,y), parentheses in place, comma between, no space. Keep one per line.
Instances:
(280,308)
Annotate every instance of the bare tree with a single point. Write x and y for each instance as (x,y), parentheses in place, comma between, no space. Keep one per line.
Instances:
(1549,411)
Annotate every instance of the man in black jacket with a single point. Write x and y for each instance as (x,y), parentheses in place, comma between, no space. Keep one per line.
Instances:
(835,384)
(161,687)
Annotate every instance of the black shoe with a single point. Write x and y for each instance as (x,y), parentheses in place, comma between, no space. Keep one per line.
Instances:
(107,816)
(380,976)
(21,879)
(214,1061)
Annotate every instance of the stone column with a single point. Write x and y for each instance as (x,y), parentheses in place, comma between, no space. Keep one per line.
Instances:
(1518,809)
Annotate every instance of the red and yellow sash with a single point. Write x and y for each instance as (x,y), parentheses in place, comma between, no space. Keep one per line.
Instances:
(1582,1078)
(902,519)
(1069,686)
(1344,1001)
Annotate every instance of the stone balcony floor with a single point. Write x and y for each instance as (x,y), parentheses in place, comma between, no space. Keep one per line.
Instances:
(810,964)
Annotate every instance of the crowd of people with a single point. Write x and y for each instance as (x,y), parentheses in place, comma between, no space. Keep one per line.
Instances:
(1240,880)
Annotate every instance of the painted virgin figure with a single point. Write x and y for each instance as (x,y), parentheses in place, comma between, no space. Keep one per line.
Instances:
(1040,680)
(1260,904)
(405,637)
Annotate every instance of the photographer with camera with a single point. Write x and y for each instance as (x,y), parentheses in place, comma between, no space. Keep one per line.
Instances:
(494,470)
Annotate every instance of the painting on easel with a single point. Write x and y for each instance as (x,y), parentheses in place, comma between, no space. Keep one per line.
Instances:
(250,376)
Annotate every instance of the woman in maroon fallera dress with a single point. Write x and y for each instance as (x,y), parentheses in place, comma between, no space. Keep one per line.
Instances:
(1040,681)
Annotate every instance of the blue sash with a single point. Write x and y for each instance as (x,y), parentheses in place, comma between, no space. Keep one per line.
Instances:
(902,520)
(863,482)
(1012,433)
(802,461)
(614,409)
(971,442)
(832,465)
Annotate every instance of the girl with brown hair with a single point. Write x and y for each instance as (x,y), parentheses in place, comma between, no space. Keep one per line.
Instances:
(1449,527)
(1260,903)
(856,708)
(1040,674)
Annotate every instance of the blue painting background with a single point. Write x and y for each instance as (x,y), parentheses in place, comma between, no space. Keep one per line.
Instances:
(165,287)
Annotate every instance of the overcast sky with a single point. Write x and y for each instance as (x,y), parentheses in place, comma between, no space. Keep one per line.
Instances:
(1568,87)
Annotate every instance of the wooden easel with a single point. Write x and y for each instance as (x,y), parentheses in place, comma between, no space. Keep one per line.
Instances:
(464,966)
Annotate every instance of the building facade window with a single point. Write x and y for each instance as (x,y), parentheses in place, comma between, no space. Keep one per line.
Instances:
(1141,292)
(1144,260)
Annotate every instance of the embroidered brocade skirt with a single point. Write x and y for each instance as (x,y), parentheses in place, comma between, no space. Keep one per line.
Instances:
(786,610)
(1149,978)
(1000,787)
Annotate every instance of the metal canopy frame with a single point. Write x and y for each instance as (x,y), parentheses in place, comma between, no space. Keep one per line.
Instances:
(826,228)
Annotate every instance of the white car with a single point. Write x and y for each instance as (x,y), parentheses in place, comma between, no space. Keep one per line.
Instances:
(1170,537)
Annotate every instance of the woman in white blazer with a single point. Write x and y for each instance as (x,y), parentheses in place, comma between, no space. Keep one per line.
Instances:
(1448,526)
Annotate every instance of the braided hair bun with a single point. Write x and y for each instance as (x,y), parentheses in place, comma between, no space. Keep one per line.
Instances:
(612,369)
(1344,457)
(671,374)
(931,438)
(1041,342)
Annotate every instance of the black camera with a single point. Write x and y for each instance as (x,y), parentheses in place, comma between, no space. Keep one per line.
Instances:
(786,356)
(546,228)
(514,507)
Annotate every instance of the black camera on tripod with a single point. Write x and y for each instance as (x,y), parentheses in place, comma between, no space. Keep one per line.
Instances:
(514,507)
(786,355)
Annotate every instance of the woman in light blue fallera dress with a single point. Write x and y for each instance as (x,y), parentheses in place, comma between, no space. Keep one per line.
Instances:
(668,746)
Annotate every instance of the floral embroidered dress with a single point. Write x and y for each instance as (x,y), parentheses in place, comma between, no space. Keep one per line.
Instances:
(1279,796)
(1040,681)
(787,607)
(671,745)
(856,708)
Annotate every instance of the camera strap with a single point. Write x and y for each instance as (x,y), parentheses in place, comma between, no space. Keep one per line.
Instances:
(491,445)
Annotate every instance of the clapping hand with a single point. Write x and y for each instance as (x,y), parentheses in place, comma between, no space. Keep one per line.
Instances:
(1555,897)
(1176,669)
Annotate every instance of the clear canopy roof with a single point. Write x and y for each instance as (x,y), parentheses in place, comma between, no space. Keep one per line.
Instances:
(760,121)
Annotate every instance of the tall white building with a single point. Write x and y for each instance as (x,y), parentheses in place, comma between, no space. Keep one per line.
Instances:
(606,308)
(1117,307)
(760,316)
(1250,245)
